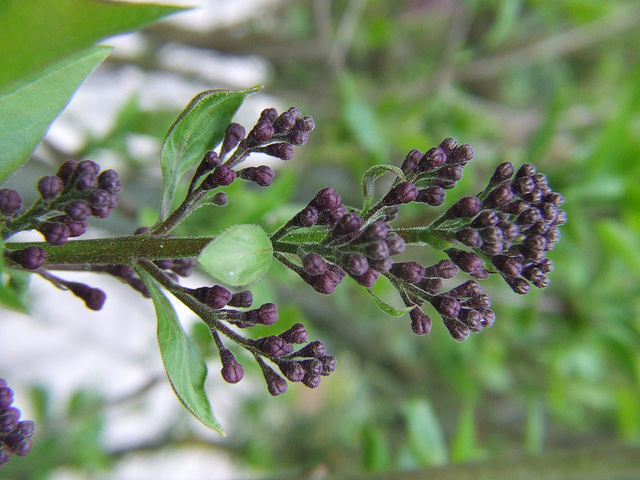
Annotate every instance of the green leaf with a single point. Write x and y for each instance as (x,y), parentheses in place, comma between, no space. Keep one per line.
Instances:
(388,309)
(369,178)
(36,33)
(239,255)
(183,363)
(424,434)
(26,112)
(199,128)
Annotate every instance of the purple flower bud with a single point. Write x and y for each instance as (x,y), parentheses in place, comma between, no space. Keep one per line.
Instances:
(430,285)
(508,266)
(349,223)
(296,334)
(88,166)
(469,288)
(99,198)
(66,170)
(433,196)
(328,365)
(478,302)
(554,198)
(411,161)
(433,158)
(283,151)
(486,218)
(102,212)
(231,371)
(545,265)
(10,202)
(311,381)
(217,297)
(461,155)
(223,175)
(220,199)
(333,216)
(420,323)
(492,235)
(442,269)
(472,319)
(523,185)
(306,124)
(526,170)
(18,444)
(109,180)
(469,237)
(376,231)
(9,420)
(284,123)
(269,114)
(410,272)
(233,135)
(26,428)
(315,349)
(466,261)
(465,207)
(312,366)
(535,276)
(529,217)
(6,397)
(79,210)
(515,207)
(561,219)
(50,187)
(378,250)
(510,230)
(503,172)
(458,330)
(307,217)
(383,265)
(395,244)
(446,306)
(262,175)
(297,137)
(86,180)
(293,371)
(355,264)
(498,197)
(274,346)
(95,299)
(242,299)
(404,192)
(275,383)
(534,197)
(519,285)
(325,283)
(314,264)
(326,199)
(448,145)
(262,132)
(55,233)
(268,313)
(368,279)
(488,318)
(30,258)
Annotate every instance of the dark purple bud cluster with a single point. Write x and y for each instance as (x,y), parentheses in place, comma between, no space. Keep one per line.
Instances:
(15,435)
(10,202)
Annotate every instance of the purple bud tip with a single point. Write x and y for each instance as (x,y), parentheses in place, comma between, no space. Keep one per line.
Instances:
(395,243)
(269,114)
(50,187)
(434,158)
(217,297)
(293,371)
(109,180)
(314,264)
(10,202)
(311,381)
(66,170)
(220,199)
(411,161)
(31,258)
(243,299)
(465,207)
(458,330)
(378,250)
(315,349)
(284,123)
(369,278)
(231,371)
(446,306)
(355,264)
(55,233)
(433,196)
(268,314)
(328,365)
(275,383)
(420,323)
(223,175)
(306,124)
(326,199)
(404,192)
(448,145)
(283,151)
(262,132)
(410,272)
(95,299)
(296,334)
(79,210)
(349,223)
(307,217)
(274,346)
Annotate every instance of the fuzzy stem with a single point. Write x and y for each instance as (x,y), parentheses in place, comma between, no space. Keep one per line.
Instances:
(185,209)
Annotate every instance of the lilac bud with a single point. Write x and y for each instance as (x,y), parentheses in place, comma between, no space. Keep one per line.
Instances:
(296,334)
(442,269)
(312,366)
(376,231)
(66,170)
(307,217)
(554,198)
(269,114)
(275,383)
(433,158)
(469,288)
(534,197)
(50,187)
(469,237)
(223,175)
(283,151)
(9,420)
(450,173)
(88,166)
(262,175)
(55,233)
(545,265)
(262,132)
(523,185)
(458,330)
(242,299)
(293,371)
(461,155)
(326,199)
(519,285)
(18,444)
(314,264)
(6,397)
(86,180)
(420,323)
(217,297)
(486,218)
(515,207)
(328,365)
(220,199)
(492,235)
(488,318)
(284,123)
(446,306)
(478,302)
(99,198)
(410,272)
(529,217)
(30,258)
(79,210)
(95,299)
(465,207)
(10,202)
(472,319)
(503,172)
(355,264)
(267,314)
(333,216)
(325,283)
(368,279)
(306,124)
(315,349)
(510,230)
(383,265)
(526,170)
(377,250)
(508,266)
(395,244)
(561,219)
(430,285)
(411,161)
(311,381)
(274,346)
(448,145)
(109,180)
(349,223)
(26,428)
(433,196)
(498,197)
(404,192)
(467,261)
(231,371)
(233,135)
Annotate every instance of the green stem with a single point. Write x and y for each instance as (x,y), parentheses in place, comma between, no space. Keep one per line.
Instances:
(119,250)
(185,209)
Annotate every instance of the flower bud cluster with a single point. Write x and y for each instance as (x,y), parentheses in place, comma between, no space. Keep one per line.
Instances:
(15,434)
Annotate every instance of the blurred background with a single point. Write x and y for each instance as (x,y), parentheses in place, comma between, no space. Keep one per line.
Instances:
(552,83)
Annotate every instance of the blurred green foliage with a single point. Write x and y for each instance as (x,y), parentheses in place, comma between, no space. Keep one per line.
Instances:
(553,83)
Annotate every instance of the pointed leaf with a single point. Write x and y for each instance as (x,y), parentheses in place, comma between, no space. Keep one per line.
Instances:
(199,128)
(27,112)
(369,178)
(36,33)
(424,434)
(239,255)
(388,309)
(183,363)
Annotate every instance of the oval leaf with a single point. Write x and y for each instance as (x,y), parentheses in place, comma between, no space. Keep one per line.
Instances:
(388,309)
(369,179)
(183,363)
(199,128)
(240,255)
(27,111)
